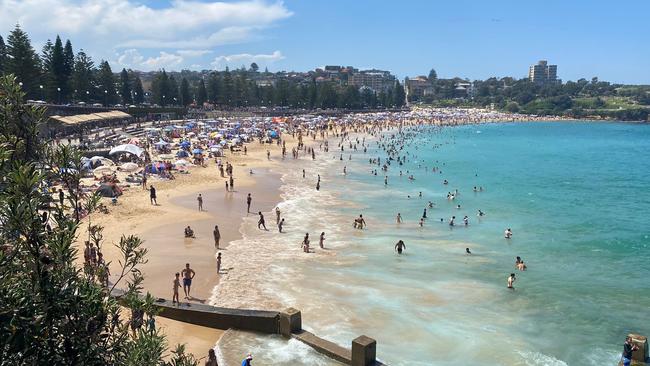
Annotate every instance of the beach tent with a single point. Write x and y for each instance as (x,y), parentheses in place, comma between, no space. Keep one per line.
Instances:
(126,148)
(106,190)
(185,144)
(129,167)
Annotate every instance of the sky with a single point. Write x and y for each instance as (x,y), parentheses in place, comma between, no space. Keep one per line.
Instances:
(473,39)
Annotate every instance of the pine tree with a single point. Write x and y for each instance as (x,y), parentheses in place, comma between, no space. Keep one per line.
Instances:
(215,95)
(160,89)
(125,88)
(54,69)
(23,62)
(68,67)
(138,91)
(201,94)
(3,56)
(228,88)
(106,81)
(173,97)
(186,98)
(82,77)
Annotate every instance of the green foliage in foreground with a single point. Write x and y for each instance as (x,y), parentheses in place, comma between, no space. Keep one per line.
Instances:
(51,312)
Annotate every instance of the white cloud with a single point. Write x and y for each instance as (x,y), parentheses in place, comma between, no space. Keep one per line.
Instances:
(132,58)
(103,27)
(246,59)
(193,53)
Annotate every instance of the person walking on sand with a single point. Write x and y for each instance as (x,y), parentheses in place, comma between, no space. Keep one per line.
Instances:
(261,223)
(249,199)
(321,240)
(232,183)
(227,188)
(217,236)
(188,274)
(280,224)
(305,243)
(176,284)
(218,263)
(199,200)
(511,281)
(152,195)
(400,246)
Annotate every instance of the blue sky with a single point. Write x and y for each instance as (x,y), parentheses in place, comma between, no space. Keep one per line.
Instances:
(470,39)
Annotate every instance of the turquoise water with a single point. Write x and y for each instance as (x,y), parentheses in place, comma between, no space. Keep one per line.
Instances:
(576,198)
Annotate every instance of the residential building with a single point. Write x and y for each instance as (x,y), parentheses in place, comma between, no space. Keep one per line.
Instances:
(542,73)
(377,80)
(418,87)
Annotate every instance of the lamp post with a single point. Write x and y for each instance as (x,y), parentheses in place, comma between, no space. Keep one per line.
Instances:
(58,95)
(163,100)
(42,94)
(87,95)
(105,98)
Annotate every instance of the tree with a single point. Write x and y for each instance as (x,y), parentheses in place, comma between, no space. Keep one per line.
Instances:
(125,88)
(201,94)
(214,92)
(23,62)
(52,312)
(160,89)
(3,56)
(83,77)
(68,66)
(254,67)
(106,81)
(399,95)
(185,97)
(138,91)
(433,75)
(54,68)
(173,97)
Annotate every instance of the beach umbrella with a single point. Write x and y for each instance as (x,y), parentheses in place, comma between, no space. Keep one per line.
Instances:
(182,154)
(197,151)
(166,156)
(106,190)
(185,144)
(129,167)
(126,148)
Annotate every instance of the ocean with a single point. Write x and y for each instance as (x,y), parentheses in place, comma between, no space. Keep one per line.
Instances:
(574,194)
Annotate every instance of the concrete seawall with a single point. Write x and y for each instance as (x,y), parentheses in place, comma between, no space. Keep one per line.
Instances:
(287,323)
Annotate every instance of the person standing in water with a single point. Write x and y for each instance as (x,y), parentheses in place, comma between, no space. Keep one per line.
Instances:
(249,199)
(508,233)
(277,215)
(218,263)
(321,240)
(280,224)
(199,200)
(399,218)
(217,236)
(511,281)
(400,246)
(261,223)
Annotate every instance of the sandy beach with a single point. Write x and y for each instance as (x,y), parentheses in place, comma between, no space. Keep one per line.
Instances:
(161,229)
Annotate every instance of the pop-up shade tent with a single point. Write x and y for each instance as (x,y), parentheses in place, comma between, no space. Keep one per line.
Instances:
(126,148)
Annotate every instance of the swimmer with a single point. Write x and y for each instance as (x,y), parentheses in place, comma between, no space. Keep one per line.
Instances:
(466,220)
(399,218)
(421,221)
(400,246)
(508,233)
(451,221)
(467,251)
(480,213)
(511,281)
